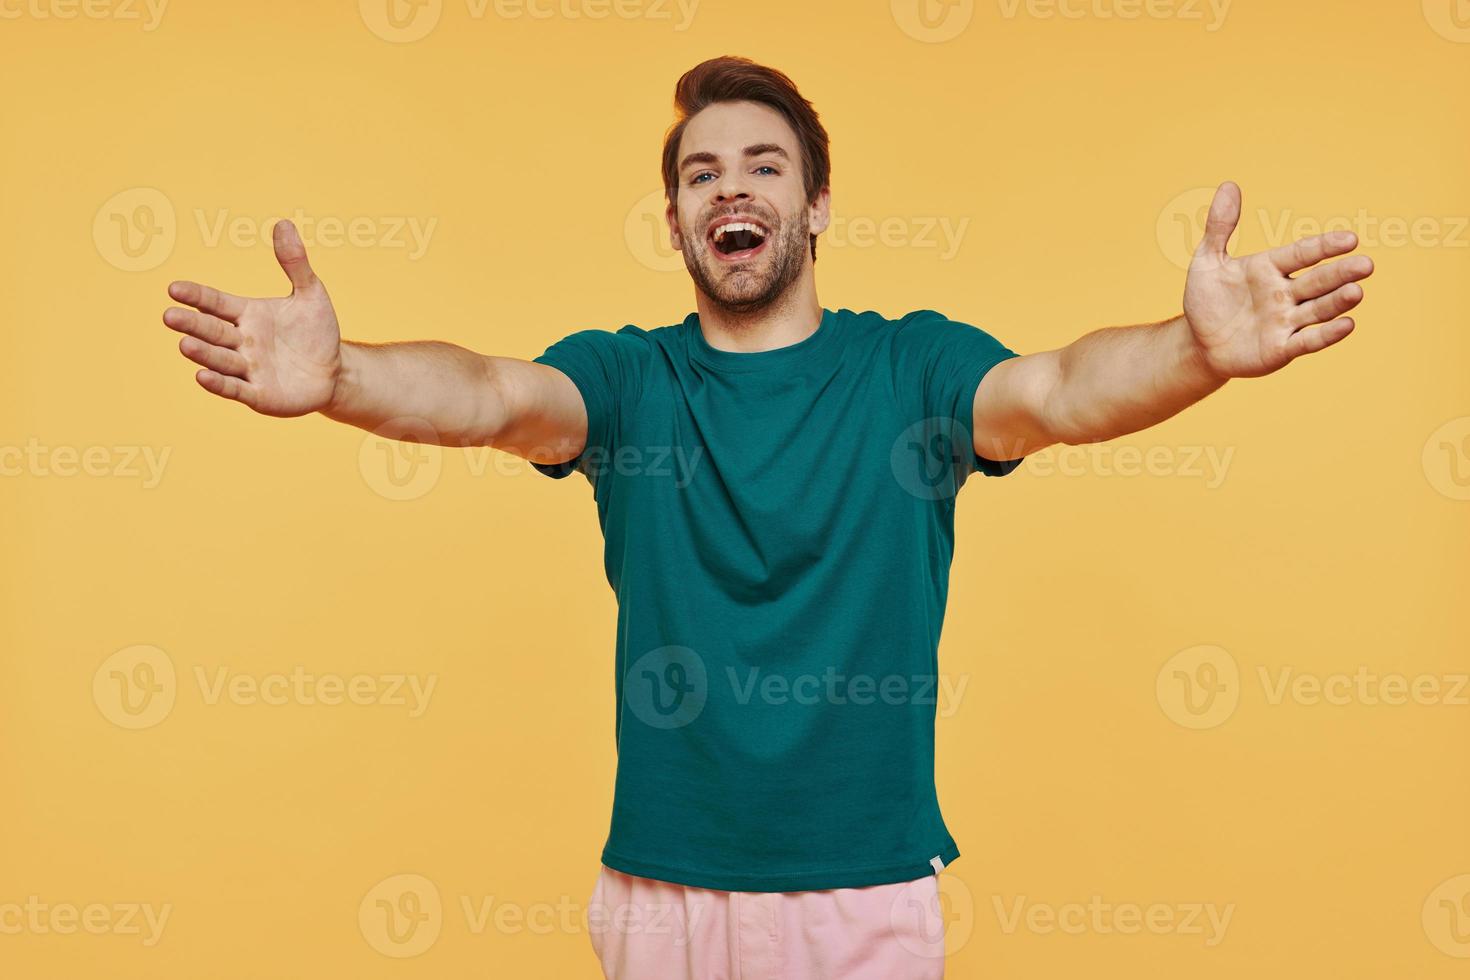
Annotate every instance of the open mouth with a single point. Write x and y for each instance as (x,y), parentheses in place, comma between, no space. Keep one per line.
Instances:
(737,240)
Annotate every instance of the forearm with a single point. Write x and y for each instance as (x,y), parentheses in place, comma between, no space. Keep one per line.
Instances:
(394,389)
(1118,380)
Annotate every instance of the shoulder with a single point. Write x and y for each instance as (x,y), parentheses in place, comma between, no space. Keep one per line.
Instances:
(878,327)
(921,331)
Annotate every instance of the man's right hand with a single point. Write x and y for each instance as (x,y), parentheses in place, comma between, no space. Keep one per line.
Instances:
(281,356)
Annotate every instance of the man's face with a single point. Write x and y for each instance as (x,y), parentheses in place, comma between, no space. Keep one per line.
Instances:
(742,220)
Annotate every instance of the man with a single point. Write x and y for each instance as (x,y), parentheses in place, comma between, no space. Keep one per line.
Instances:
(776,484)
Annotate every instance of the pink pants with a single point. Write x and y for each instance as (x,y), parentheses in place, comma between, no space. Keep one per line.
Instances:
(644,929)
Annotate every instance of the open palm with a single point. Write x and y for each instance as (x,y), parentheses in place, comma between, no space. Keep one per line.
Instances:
(1248,315)
(278,355)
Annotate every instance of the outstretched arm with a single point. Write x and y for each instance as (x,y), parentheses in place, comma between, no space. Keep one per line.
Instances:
(1243,317)
(284,357)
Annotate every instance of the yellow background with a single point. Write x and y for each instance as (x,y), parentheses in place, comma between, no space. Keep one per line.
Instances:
(1072,147)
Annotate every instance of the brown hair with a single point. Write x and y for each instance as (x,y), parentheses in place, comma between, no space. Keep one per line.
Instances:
(735,79)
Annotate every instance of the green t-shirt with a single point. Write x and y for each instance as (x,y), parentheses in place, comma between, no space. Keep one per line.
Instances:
(778,529)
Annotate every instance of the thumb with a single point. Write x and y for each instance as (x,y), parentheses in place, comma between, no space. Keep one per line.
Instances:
(1220,223)
(291,253)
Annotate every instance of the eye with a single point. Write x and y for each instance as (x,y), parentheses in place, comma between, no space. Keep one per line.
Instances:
(767,166)
(696,178)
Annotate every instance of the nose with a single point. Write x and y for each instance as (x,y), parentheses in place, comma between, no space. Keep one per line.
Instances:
(731,187)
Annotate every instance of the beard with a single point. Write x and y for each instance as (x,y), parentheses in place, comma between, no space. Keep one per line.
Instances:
(754,284)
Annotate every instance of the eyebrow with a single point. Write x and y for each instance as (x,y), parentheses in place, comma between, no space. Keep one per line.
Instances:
(754,150)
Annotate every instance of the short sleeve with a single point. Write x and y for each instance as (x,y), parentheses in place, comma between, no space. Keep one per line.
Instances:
(606,367)
(939,364)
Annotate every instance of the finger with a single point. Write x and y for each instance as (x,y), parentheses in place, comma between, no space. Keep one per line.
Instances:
(208,299)
(1309,251)
(210,329)
(1312,339)
(1324,279)
(291,253)
(1220,223)
(225,386)
(221,360)
(1324,308)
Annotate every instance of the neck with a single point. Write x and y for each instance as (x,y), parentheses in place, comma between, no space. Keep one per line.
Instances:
(788,319)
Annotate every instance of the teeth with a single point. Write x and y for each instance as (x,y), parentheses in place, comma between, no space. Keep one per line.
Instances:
(739,226)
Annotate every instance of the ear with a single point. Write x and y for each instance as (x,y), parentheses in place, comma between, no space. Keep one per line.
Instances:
(819,213)
(672,217)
